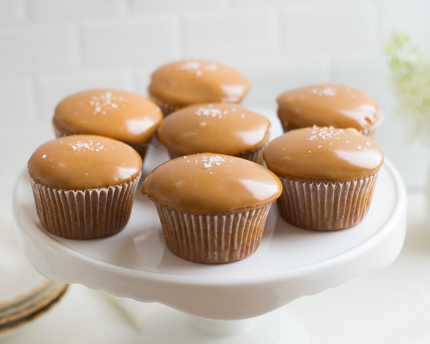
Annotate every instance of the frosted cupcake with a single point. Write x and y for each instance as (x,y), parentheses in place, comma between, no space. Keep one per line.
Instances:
(217,128)
(120,115)
(84,185)
(212,208)
(328,176)
(188,82)
(328,105)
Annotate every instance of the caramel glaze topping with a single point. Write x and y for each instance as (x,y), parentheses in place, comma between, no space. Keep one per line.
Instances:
(327,105)
(211,183)
(193,81)
(81,162)
(218,128)
(324,153)
(120,115)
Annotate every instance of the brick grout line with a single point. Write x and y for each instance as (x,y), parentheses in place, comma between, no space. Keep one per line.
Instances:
(178,36)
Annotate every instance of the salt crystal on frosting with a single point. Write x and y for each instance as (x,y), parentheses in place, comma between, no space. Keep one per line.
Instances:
(213,160)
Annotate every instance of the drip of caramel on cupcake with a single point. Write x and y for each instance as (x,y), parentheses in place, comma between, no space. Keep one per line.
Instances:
(324,153)
(211,183)
(121,115)
(80,162)
(219,128)
(328,105)
(195,81)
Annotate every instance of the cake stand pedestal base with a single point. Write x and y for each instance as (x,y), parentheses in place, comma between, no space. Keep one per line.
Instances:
(277,327)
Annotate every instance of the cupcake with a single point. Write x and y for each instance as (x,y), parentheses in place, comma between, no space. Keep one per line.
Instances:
(212,208)
(120,115)
(184,83)
(84,185)
(328,176)
(329,105)
(217,128)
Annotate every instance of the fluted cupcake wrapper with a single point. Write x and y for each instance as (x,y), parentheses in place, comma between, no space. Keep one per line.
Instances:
(325,206)
(213,238)
(87,214)
(255,156)
(166,109)
(141,149)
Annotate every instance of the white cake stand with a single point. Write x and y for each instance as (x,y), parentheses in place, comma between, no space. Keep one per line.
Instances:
(290,263)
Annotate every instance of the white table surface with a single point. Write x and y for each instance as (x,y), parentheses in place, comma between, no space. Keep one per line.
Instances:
(390,305)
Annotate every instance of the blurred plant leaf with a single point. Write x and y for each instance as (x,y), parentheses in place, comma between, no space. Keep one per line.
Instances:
(411,75)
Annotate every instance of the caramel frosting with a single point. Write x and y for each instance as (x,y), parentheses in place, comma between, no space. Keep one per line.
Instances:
(194,81)
(80,162)
(328,105)
(324,153)
(211,183)
(218,128)
(117,114)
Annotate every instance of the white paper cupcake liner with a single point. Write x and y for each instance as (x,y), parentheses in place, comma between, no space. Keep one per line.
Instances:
(141,149)
(325,206)
(166,109)
(255,156)
(87,214)
(213,238)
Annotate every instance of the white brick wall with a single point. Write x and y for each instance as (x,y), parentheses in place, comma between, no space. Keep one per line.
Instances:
(34,49)
(233,33)
(42,11)
(128,42)
(51,48)
(333,26)
(17,102)
(12,12)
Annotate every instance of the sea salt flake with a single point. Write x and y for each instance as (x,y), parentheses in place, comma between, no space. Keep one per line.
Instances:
(329,91)
(43,156)
(202,111)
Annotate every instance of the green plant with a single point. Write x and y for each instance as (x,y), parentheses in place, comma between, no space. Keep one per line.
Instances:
(411,74)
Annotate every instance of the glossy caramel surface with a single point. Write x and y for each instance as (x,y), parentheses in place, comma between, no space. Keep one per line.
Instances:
(218,128)
(324,153)
(189,82)
(79,162)
(117,114)
(327,105)
(211,183)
